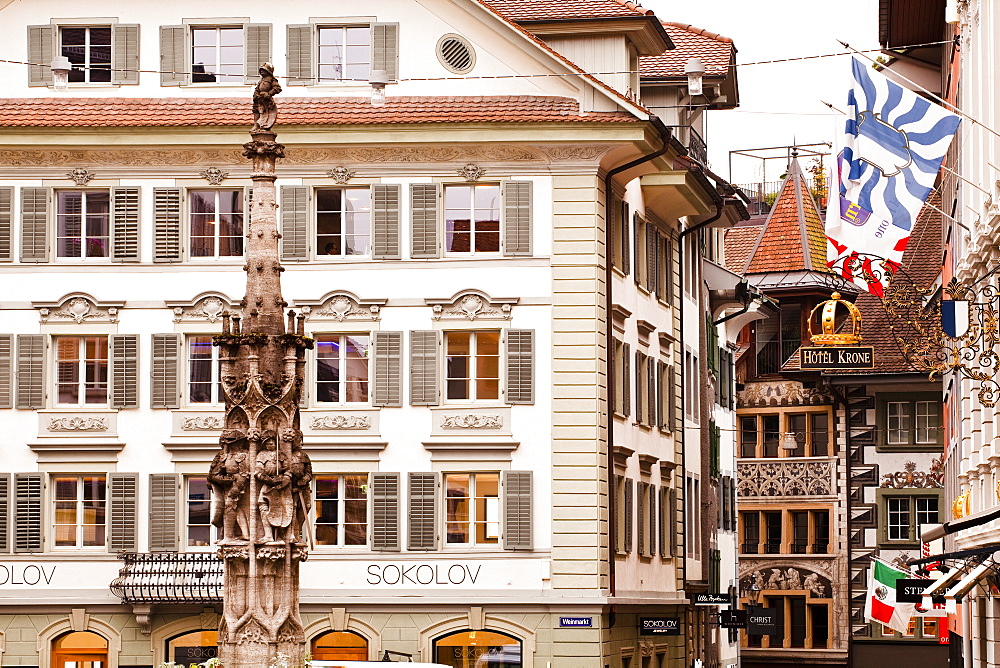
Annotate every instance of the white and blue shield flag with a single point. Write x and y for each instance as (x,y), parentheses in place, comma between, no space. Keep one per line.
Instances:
(893,147)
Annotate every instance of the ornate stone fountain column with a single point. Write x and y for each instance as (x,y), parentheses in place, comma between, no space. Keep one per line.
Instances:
(261,477)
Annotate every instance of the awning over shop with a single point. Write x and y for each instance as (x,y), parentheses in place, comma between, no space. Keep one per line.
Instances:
(972,566)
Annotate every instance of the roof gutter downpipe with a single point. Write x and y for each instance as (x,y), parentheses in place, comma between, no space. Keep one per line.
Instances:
(609,236)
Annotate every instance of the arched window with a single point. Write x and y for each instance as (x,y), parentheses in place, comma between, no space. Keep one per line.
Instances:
(478,649)
(80,649)
(193,647)
(343,645)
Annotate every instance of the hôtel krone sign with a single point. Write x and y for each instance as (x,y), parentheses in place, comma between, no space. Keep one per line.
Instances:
(836,349)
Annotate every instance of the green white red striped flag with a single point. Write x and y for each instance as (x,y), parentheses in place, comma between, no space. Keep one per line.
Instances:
(881,605)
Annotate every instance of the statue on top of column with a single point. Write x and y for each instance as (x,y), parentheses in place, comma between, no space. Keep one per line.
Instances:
(265,111)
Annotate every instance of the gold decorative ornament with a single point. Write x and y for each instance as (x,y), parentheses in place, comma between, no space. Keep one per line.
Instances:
(962,505)
(827,319)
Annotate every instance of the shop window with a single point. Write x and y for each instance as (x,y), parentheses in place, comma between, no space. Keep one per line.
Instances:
(193,647)
(478,649)
(80,649)
(339,645)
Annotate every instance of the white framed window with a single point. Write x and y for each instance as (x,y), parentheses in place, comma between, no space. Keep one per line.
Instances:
(343,222)
(89,50)
(203,385)
(79,505)
(342,368)
(344,53)
(472,218)
(83,224)
(898,511)
(341,509)
(898,413)
(217,54)
(81,370)
(472,368)
(928,425)
(216,223)
(472,508)
(198,527)
(927,511)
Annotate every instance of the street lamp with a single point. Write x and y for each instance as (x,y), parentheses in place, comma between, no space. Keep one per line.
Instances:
(695,72)
(378,79)
(788,442)
(60,67)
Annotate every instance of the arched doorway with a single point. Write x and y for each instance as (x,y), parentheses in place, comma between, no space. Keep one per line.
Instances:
(478,649)
(343,645)
(193,647)
(80,649)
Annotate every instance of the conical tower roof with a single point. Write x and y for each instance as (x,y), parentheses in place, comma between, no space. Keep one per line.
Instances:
(792,238)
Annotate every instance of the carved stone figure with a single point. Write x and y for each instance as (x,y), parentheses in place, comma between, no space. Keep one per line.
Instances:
(274,498)
(793,579)
(265,111)
(758,579)
(777,580)
(302,474)
(813,584)
(228,477)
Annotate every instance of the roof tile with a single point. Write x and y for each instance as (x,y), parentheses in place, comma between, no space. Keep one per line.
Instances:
(715,51)
(159,112)
(543,10)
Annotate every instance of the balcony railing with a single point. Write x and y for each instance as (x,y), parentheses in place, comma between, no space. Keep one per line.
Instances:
(165,577)
(786,476)
(763,194)
(688,136)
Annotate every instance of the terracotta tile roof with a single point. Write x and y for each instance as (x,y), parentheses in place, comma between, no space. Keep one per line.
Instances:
(921,264)
(793,238)
(740,241)
(715,51)
(547,10)
(158,112)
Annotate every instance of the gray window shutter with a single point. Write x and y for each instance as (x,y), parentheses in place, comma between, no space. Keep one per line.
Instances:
(125,58)
(638,242)
(640,414)
(675,277)
(422,511)
(27,512)
(517,217)
(125,235)
(671,522)
(385,49)
(652,236)
(626,239)
(651,500)
(6,370)
(167,224)
(670,389)
(41,50)
(520,366)
(652,403)
(174,70)
(424,368)
(122,512)
(256,50)
(294,223)
(124,371)
(163,529)
(626,379)
(385,512)
(640,542)
(629,492)
(6,225)
(300,55)
(5,512)
(34,224)
(165,388)
(678,393)
(516,510)
(30,371)
(424,220)
(385,222)
(662,524)
(661,372)
(388,369)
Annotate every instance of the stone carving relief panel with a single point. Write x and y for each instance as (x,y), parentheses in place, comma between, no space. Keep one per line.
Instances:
(341,306)
(78,308)
(472,305)
(776,576)
(206,307)
(780,393)
(791,478)
(910,477)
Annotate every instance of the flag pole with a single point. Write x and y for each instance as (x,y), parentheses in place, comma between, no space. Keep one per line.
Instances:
(934,95)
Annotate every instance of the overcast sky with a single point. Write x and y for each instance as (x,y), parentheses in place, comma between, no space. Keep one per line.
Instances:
(779,103)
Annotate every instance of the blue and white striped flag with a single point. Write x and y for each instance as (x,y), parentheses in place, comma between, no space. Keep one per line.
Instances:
(894,144)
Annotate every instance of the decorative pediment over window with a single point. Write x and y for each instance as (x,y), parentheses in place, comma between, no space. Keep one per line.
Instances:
(206,307)
(340,306)
(472,305)
(78,307)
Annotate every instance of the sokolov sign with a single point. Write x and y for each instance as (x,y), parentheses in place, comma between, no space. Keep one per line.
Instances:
(422,574)
(33,574)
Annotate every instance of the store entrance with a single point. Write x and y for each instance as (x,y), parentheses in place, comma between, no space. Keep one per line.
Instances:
(80,649)
(340,645)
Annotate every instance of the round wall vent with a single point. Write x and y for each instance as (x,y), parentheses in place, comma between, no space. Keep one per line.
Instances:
(456,54)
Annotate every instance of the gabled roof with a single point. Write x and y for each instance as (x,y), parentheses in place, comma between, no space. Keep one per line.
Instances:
(715,51)
(793,238)
(739,243)
(161,112)
(556,10)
